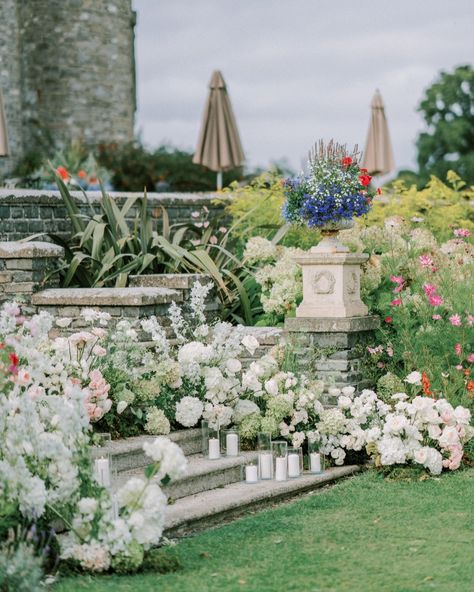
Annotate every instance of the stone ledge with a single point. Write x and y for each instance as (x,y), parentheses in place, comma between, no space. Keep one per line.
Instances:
(312,258)
(174,281)
(29,250)
(265,335)
(106,297)
(332,325)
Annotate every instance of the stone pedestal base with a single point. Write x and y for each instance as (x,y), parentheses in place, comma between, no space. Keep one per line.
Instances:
(331,349)
(331,285)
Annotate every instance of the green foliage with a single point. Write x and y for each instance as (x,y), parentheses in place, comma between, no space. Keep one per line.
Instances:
(134,168)
(448,111)
(440,206)
(258,207)
(160,561)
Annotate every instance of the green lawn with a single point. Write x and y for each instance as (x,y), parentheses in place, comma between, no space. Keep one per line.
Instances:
(363,535)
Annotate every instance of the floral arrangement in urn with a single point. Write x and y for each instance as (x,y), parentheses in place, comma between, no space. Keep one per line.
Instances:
(332,191)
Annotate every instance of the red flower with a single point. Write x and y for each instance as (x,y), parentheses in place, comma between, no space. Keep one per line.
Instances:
(14,359)
(365,180)
(396,302)
(379,191)
(388,319)
(346,161)
(62,172)
(364,170)
(425,381)
(81,174)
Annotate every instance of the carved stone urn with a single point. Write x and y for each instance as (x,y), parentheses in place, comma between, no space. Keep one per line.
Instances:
(331,278)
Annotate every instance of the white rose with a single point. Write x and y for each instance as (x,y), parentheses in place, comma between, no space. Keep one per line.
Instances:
(348,391)
(421,455)
(250,343)
(271,386)
(434,431)
(462,415)
(414,378)
(233,365)
(449,437)
(344,402)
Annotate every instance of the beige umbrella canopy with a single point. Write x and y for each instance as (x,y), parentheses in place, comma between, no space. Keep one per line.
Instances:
(378,154)
(3,130)
(219,147)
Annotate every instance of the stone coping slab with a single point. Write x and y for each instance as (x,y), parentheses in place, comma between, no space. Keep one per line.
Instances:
(106,297)
(29,250)
(331,325)
(174,281)
(313,258)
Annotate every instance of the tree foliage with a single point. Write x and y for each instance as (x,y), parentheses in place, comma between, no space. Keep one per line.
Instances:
(448,142)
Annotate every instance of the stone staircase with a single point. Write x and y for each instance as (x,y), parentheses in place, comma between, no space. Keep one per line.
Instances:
(212,491)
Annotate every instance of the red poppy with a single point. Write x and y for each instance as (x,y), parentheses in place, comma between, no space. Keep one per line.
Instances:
(365,180)
(81,174)
(388,319)
(62,172)
(346,161)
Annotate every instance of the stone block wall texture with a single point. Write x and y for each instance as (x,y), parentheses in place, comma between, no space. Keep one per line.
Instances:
(67,70)
(24,212)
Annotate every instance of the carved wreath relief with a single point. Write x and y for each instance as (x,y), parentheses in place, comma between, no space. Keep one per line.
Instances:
(323,282)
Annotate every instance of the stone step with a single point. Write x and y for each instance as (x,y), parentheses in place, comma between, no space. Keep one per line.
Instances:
(202,475)
(209,508)
(128,454)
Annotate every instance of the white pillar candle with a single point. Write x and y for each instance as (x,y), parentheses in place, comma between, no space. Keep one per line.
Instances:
(315,462)
(232,445)
(293,465)
(280,468)
(115,507)
(251,474)
(102,471)
(214,449)
(265,462)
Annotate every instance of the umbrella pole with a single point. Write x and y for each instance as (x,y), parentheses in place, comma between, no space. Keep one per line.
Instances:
(219,180)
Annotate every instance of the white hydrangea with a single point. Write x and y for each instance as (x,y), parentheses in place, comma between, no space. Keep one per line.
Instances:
(170,456)
(189,411)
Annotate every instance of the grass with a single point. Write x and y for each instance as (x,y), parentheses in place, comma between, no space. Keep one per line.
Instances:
(365,534)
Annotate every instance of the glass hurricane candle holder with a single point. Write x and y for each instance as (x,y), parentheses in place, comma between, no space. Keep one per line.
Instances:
(250,471)
(316,458)
(295,462)
(205,437)
(280,456)
(101,458)
(265,456)
(231,442)
(214,447)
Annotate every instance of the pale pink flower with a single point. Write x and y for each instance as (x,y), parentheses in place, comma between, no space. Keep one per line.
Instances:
(459,367)
(206,224)
(99,332)
(453,462)
(470,320)
(397,279)
(396,302)
(222,229)
(435,300)
(425,261)
(436,317)
(195,214)
(470,358)
(455,320)
(389,351)
(99,351)
(398,289)
(462,232)
(213,240)
(458,349)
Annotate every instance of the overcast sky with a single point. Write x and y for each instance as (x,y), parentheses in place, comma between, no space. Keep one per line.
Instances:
(296,70)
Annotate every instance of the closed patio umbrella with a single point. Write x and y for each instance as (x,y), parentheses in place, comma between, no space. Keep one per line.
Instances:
(3,130)
(219,147)
(378,154)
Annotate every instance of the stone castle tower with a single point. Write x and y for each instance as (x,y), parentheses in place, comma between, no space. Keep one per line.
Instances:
(67,72)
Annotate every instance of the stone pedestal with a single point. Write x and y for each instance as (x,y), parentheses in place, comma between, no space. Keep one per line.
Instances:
(331,284)
(331,349)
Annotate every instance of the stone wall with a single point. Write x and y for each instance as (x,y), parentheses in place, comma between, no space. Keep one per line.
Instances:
(67,70)
(24,212)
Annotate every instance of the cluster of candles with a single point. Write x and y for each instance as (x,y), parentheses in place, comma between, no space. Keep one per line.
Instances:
(275,459)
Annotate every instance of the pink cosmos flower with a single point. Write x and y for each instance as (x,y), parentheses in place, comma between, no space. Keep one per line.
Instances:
(425,261)
(459,367)
(455,320)
(397,279)
(436,317)
(462,232)
(429,289)
(398,289)
(458,348)
(470,358)
(396,302)
(435,300)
